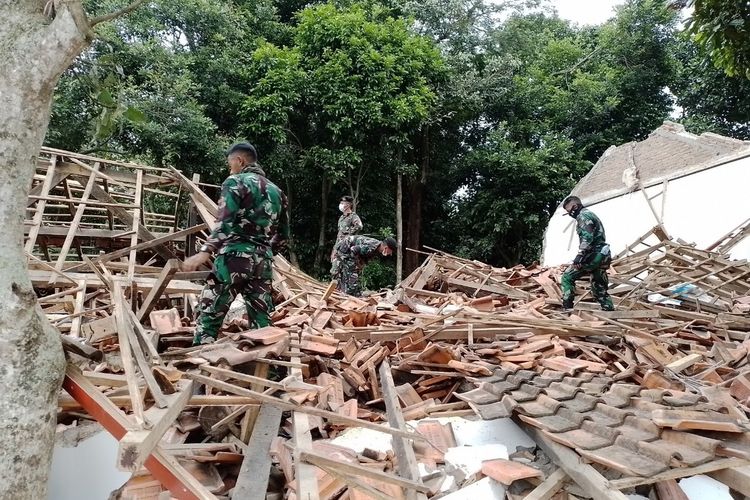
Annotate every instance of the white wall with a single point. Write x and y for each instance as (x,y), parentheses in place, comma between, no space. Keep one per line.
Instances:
(699,208)
(87,471)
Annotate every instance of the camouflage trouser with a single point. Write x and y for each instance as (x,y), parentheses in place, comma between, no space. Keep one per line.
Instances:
(346,272)
(246,274)
(599,282)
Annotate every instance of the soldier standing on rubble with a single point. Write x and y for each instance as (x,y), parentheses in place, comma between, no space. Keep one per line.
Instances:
(351,254)
(252,227)
(593,256)
(349,222)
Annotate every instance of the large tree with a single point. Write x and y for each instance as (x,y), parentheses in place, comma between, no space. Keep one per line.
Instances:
(722,28)
(339,106)
(38,40)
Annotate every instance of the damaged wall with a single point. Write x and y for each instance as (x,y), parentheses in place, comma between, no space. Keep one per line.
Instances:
(86,471)
(698,208)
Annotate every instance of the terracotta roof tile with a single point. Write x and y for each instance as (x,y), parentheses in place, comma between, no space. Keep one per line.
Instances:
(625,427)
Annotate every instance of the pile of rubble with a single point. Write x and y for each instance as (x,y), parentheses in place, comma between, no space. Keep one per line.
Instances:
(464,381)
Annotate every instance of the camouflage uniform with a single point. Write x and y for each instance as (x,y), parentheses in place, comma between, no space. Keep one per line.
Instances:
(252,225)
(349,225)
(595,260)
(349,257)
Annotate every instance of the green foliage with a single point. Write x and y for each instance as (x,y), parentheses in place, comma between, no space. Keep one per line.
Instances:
(378,274)
(508,195)
(722,28)
(489,110)
(711,100)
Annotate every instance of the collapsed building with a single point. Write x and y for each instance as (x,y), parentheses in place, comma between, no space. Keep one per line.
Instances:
(464,381)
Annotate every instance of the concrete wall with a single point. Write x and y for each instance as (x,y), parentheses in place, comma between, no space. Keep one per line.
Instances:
(86,471)
(699,208)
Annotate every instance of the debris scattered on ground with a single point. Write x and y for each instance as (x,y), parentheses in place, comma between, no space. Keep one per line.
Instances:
(464,381)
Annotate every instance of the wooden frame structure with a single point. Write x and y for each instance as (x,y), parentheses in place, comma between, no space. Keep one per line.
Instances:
(80,206)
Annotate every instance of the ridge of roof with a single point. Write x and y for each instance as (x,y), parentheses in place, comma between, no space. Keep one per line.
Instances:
(669,152)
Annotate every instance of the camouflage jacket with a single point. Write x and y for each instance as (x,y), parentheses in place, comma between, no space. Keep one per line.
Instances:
(349,224)
(252,215)
(590,232)
(357,248)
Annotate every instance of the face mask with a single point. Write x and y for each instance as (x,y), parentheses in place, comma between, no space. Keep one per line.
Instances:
(342,207)
(575,211)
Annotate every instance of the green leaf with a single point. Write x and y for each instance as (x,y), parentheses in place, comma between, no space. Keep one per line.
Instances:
(134,115)
(105,99)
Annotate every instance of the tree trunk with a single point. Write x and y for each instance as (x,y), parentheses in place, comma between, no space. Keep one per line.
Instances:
(35,52)
(399,229)
(289,198)
(416,202)
(320,251)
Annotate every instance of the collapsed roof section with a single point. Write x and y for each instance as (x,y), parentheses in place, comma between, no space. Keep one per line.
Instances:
(667,153)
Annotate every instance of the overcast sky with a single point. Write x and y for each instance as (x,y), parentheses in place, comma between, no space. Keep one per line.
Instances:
(586,11)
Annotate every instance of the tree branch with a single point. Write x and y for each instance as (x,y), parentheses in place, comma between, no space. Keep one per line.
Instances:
(76,11)
(116,14)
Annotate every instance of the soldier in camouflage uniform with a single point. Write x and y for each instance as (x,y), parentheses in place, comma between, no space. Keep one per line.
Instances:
(593,256)
(349,222)
(252,226)
(349,257)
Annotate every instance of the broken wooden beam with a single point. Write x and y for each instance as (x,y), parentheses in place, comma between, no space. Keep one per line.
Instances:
(136,445)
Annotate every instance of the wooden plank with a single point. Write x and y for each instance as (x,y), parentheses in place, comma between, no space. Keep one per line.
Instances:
(360,470)
(310,410)
(126,354)
(715,465)
(83,350)
(157,290)
(684,363)
(40,279)
(76,220)
(106,379)
(670,490)
(75,325)
(252,481)
(145,245)
(135,347)
(737,478)
(472,287)
(407,460)
(122,214)
(136,445)
(37,190)
(136,225)
(632,314)
(141,333)
(48,267)
(306,478)
(39,214)
(248,421)
(588,478)
(549,486)
(204,212)
(197,193)
(162,465)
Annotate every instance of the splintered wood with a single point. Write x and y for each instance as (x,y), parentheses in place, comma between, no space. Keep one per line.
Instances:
(276,412)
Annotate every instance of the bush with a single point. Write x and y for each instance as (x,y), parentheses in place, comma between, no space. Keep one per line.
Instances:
(378,274)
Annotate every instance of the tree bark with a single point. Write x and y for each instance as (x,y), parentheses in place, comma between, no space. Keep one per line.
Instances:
(325,189)
(290,198)
(416,202)
(36,50)
(399,229)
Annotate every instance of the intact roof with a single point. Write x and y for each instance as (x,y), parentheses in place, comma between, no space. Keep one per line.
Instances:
(667,153)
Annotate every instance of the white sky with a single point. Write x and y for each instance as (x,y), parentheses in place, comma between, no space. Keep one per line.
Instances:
(586,11)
